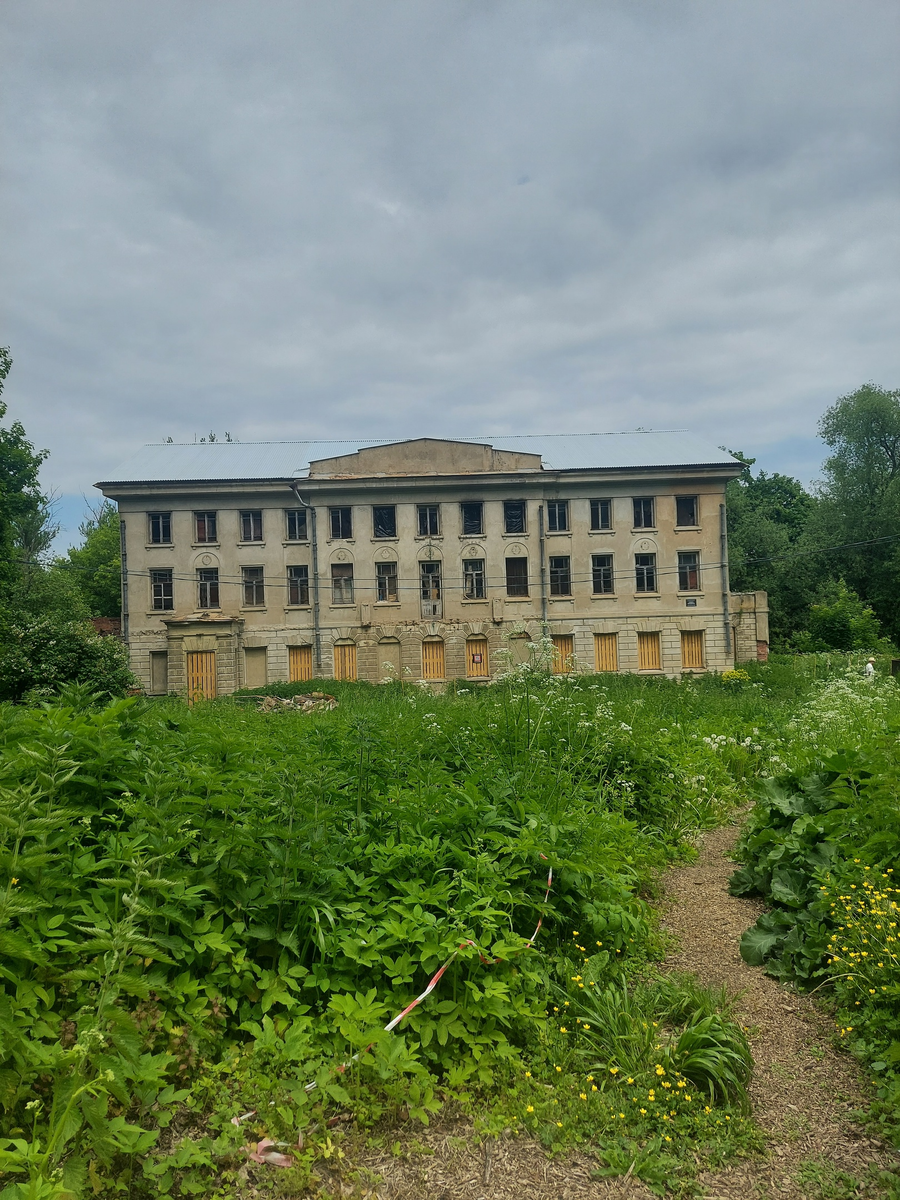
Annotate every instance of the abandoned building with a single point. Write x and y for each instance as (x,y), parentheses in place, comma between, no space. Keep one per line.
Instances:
(247,563)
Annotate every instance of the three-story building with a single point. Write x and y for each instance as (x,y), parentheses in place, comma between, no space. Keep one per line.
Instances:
(249,563)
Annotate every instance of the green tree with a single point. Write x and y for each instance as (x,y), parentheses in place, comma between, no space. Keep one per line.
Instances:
(95,566)
(860,495)
(839,620)
(20,494)
(772,546)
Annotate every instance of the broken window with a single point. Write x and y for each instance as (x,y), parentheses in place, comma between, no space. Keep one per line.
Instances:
(254,587)
(386,582)
(430,576)
(429,520)
(341,522)
(557,516)
(473,579)
(384,520)
(342,582)
(602,574)
(686,510)
(296,524)
(688,571)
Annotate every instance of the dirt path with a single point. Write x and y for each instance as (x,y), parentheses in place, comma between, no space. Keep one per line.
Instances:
(802,1090)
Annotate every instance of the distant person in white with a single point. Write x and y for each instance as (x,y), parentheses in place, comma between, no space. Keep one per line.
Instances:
(870,669)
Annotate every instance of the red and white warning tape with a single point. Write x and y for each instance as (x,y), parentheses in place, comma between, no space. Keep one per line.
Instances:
(392,1024)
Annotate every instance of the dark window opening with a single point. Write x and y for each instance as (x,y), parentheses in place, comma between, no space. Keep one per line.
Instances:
(341,522)
(517,577)
(384,520)
(298,585)
(560,575)
(686,510)
(602,574)
(688,571)
(514,516)
(472,518)
(601,514)
(208,587)
(254,587)
(643,514)
(205,527)
(430,575)
(645,572)
(160,527)
(557,516)
(251,526)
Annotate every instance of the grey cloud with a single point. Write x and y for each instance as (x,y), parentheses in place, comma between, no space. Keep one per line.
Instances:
(297,219)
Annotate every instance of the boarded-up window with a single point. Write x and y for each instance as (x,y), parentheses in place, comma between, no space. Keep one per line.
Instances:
(433,659)
(520,647)
(255,672)
(201,675)
(159,672)
(388,651)
(692,648)
(606,652)
(648,652)
(563,653)
(345,660)
(477,657)
(299,663)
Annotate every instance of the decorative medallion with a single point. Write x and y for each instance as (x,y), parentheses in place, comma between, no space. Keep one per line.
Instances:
(516,550)
(387,554)
(342,556)
(647,546)
(206,559)
(473,551)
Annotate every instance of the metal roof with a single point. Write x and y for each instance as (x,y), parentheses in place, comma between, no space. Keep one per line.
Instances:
(172,462)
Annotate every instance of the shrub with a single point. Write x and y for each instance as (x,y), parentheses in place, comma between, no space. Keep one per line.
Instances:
(46,653)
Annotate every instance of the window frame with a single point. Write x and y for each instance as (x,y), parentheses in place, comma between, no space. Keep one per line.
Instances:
(555,509)
(466,518)
(474,579)
(511,582)
(385,572)
(425,575)
(210,585)
(601,506)
(695,524)
(160,522)
(509,506)
(427,511)
(342,584)
(253,585)
(298,585)
(340,522)
(641,523)
(208,518)
(392,523)
(252,523)
(597,570)
(298,517)
(164,579)
(688,570)
(644,572)
(560,577)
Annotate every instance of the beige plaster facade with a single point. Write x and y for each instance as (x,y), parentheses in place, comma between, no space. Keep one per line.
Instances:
(391,539)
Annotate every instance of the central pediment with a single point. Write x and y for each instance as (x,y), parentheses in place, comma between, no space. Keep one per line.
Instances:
(424,456)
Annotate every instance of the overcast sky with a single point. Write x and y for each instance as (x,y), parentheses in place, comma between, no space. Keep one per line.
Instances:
(387,219)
